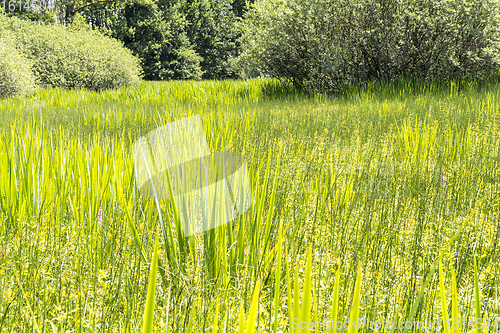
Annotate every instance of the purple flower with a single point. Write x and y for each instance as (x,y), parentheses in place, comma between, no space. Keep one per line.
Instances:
(283,126)
(99,215)
(442,180)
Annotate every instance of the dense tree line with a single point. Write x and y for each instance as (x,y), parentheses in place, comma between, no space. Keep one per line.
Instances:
(318,45)
(175,39)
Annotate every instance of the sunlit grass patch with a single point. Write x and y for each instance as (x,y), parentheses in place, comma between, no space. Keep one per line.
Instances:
(380,179)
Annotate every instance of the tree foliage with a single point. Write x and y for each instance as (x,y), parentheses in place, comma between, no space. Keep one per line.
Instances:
(156,34)
(323,45)
(214,33)
(175,39)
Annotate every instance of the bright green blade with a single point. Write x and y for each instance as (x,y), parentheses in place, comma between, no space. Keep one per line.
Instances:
(253,309)
(477,296)
(444,310)
(414,308)
(354,317)
(454,304)
(241,324)
(306,301)
(147,325)
(216,319)
(335,305)
(277,280)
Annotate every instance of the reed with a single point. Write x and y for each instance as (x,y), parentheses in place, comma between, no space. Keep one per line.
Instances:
(355,198)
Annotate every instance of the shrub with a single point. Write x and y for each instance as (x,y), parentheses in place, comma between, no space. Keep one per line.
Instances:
(16,77)
(73,58)
(323,45)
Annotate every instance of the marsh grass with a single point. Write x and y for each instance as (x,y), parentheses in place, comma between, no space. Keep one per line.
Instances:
(380,180)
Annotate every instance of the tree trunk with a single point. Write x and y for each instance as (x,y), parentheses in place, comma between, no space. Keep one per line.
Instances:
(70,12)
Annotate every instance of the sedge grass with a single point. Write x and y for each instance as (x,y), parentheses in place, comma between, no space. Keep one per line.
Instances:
(385,177)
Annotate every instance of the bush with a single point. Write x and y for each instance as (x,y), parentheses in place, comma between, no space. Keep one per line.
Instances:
(72,58)
(323,45)
(16,77)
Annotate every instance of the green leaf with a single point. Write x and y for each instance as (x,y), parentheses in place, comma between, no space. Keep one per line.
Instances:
(216,319)
(420,296)
(477,296)
(335,305)
(277,280)
(354,317)
(305,311)
(147,325)
(454,303)
(444,310)
(250,327)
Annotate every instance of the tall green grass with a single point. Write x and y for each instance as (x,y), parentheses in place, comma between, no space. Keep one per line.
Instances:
(354,198)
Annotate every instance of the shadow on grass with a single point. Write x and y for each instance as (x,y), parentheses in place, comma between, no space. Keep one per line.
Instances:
(383,88)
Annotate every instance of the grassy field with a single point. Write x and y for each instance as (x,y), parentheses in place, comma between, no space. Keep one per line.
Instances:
(385,177)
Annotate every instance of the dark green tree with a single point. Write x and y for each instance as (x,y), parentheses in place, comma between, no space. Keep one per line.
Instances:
(175,39)
(240,7)
(213,30)
(156,33)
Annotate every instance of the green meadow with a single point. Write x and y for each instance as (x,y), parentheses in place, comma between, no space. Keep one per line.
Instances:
(355,197)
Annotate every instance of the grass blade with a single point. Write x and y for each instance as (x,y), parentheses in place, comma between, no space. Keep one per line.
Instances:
(241,326)
(354,317)
(147,326)
(216,319)
(277,279)
(454,304)
(477,296)
(420,296)
(443,297)
(306,303)
(335,305)
(250,327)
